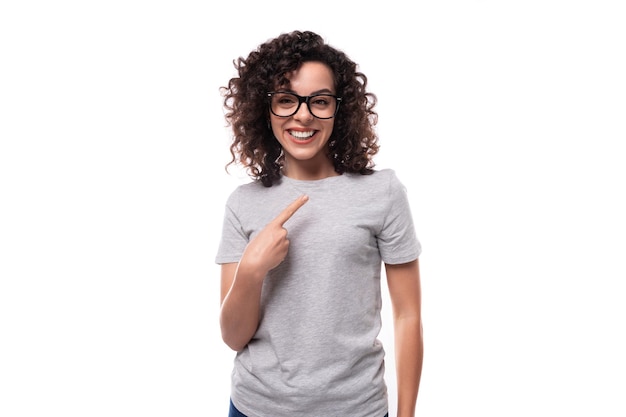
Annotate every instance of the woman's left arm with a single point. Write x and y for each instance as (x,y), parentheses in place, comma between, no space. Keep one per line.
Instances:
(405,292)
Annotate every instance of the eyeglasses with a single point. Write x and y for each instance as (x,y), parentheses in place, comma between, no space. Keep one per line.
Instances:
(321,106)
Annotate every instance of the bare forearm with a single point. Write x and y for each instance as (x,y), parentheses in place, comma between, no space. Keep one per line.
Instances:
(409,358)
(239,314)
(242,283)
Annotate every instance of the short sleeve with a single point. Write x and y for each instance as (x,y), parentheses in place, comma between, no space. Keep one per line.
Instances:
(233,240)
(397,240)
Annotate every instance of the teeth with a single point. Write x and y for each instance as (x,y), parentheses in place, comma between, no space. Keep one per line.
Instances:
(302,135)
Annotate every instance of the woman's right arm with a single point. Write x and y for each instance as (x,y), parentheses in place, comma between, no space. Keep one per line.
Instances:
(240,301)
(241,283)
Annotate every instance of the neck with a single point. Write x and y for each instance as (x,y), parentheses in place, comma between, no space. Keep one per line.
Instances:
(308,170)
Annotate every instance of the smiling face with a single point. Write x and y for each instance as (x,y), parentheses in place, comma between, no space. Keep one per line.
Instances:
(303,136)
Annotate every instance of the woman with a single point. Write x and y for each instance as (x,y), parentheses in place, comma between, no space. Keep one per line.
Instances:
(303,242)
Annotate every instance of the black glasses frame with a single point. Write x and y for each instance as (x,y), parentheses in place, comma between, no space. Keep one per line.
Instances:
(304,99)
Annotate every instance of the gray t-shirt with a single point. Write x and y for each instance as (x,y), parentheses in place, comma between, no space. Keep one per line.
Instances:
(316,351)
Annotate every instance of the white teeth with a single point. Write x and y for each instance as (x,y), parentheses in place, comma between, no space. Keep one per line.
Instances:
(302,135)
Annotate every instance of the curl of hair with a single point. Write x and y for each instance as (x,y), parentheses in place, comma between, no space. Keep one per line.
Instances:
(353,142)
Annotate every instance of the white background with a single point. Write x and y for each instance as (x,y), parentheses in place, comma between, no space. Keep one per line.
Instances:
(504,119)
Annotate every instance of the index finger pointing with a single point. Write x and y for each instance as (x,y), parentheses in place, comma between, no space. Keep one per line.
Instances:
(291,209)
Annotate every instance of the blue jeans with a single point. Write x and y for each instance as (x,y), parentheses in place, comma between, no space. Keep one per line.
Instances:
(236,413)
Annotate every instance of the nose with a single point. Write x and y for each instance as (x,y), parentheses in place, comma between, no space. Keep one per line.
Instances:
(304,114)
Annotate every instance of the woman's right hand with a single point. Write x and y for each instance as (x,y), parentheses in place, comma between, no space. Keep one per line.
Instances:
(269,248)
(241,283)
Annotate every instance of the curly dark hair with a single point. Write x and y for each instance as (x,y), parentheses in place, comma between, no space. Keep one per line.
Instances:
(353,142)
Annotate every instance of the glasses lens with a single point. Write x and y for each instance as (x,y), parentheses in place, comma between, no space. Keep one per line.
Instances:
(322,106)
(284,104)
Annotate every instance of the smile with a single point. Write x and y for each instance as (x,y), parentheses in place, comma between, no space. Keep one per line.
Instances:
(301,135)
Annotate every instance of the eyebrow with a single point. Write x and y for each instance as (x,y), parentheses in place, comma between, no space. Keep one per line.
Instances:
(322,91)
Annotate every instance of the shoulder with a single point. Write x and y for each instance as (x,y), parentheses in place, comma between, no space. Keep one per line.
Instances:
(243,192)
(247,189)
(383,179)
(255,197)
(381,175)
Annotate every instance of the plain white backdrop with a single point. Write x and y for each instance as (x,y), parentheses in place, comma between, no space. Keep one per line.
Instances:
(504,119)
